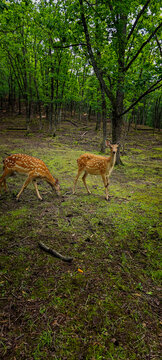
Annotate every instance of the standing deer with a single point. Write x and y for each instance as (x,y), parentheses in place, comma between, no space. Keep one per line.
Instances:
(31,166)
(97,165)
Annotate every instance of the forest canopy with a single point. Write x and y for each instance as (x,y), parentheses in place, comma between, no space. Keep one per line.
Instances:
(95,56)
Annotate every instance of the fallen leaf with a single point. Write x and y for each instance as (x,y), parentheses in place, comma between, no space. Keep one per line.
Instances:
(55,323)
(80,270)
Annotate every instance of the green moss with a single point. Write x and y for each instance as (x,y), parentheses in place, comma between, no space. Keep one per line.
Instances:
(98,306)
(13,220)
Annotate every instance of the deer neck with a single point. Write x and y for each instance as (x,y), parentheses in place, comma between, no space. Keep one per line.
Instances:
(112,160)
(50,179)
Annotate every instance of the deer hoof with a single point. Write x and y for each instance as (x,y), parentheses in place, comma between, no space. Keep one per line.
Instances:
(107,199)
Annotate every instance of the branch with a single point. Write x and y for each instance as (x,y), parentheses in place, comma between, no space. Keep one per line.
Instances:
(54,252)
(138,17)
(67,46)
(158,44)
(71,122)
(129,50)
(94,64)
(92,6)
(139,51)
(17,78)
(151,89)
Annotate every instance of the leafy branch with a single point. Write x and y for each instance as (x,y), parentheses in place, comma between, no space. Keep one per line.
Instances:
(148,91)
(137,19)
(142,46)
(90,51)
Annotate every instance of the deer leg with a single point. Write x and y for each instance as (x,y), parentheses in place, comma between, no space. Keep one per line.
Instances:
(28,180)
(3,178)
(36,188)
(106,184)
(4,184)
(84,181)
(76,179)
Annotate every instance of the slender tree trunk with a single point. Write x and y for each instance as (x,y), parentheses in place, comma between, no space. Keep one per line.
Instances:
(56,105)
(51,91)
(27,107)
(47,106)
(37,90)
(119,106)
(27,102)
(98,120)
(11,94)
(89,113)
(117,120)
(19,103)
(40,115)
(104,123)
(157,114)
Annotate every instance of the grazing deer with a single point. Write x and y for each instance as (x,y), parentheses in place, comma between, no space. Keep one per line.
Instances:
(31,166)
(97,165)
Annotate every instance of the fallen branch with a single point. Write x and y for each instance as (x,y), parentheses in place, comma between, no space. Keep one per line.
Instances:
(71,122)
(84,133)
(142,129)
(54,253)
(12,128)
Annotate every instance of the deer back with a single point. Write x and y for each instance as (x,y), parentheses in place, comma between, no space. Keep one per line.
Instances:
(94,164)
(24,164)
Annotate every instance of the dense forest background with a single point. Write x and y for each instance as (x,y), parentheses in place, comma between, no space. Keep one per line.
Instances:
(85,58)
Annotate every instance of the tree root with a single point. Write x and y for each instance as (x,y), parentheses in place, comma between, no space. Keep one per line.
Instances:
(54,253)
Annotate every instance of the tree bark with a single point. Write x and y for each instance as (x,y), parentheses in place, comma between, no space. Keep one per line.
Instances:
(104,123)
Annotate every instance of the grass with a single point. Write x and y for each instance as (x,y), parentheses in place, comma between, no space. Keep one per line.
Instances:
(105,304)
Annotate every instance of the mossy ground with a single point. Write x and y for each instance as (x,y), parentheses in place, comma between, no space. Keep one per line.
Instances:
(105,304)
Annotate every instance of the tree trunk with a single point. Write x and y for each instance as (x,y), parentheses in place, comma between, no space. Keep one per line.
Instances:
(89,113)
(117,120)
(27,106)
(52,91)
(116,134)
(19,102)
(157,114)
(104,124)
(40,115)
(98,121)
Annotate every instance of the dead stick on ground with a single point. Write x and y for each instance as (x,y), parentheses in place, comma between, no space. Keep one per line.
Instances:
(54,253)
(71,122)
(10,128)
(84,133)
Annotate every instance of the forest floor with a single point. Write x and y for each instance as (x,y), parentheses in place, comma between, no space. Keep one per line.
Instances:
(105,304)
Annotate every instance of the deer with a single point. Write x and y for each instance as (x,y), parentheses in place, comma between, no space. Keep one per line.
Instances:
(97,165)
(31,166)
